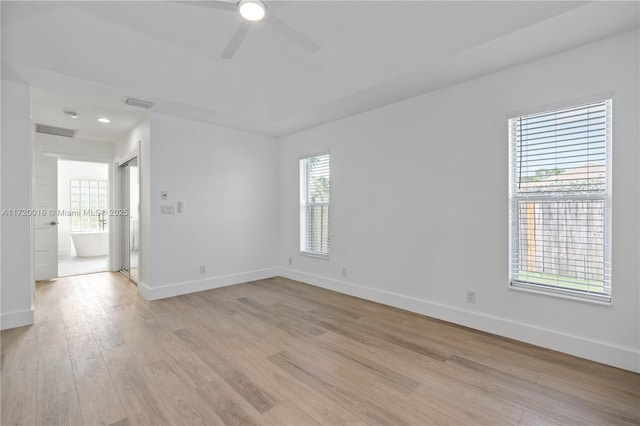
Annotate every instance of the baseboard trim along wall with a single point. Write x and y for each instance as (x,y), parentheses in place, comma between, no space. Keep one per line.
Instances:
(162,292)
(605,353)
(16,319)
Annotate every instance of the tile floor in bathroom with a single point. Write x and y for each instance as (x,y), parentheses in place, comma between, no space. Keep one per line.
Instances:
(74,265)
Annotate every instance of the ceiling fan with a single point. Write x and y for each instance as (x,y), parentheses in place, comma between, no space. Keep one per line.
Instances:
(253,11)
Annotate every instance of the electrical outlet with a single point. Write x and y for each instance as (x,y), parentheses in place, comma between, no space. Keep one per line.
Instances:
(471,296)
(203,269)
(344,272)
(290,260)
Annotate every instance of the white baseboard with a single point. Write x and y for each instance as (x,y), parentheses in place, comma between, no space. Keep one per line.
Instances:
(617,356)
(155,293)
(16,319)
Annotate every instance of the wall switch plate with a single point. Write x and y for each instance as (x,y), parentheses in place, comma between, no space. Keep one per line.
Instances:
(344,272)
(290,260)
(180,206)
(167,210)
(203,269)
(164,195)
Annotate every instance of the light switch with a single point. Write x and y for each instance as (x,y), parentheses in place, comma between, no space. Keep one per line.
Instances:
(180,206)
(167,210)
(164,195)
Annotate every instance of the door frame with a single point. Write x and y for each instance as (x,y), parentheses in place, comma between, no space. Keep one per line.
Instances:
(49,217)
(111,183)
(118,197)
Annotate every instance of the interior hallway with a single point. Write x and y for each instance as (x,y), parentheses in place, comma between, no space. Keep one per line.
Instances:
(281,352)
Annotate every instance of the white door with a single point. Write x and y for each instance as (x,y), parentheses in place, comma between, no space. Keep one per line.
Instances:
(45,200)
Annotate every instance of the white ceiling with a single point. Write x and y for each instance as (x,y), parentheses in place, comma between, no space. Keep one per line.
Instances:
(88,55)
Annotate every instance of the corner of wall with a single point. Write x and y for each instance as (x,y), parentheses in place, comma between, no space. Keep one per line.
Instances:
(187,287)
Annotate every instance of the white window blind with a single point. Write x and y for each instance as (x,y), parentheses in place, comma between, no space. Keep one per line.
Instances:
(314,205)
(560,201)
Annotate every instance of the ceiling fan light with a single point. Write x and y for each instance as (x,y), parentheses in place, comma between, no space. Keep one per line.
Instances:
(251,10)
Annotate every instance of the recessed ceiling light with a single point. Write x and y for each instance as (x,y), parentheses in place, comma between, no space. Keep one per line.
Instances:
(71,114)
(104,120)
(251,10)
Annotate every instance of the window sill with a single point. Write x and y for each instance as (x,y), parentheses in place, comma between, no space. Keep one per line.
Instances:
(316,255)
(562,294)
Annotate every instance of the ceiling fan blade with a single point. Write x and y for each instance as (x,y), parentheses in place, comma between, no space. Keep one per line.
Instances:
(213,4)
(292,34)
(236,40)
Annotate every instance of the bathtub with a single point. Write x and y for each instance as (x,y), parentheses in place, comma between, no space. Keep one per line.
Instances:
(91,243)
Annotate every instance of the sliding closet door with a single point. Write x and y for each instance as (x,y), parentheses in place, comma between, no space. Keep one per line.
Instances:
(134,221)
(130,224)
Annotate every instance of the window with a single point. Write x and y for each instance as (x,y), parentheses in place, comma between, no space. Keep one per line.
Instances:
(314,205)
(88,205)
(560,201)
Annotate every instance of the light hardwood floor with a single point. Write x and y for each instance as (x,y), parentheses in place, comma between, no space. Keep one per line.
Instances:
(278,352)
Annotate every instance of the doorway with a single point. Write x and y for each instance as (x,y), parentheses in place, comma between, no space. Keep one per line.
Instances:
(83,222)
(73,237)
(130,223)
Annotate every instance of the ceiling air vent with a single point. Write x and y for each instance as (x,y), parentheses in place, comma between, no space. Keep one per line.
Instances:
(138,103)
(53,130)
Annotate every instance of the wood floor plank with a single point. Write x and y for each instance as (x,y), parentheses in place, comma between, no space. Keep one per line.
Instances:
(60,410)
(15,338)
(533,397)
(373,411)
(55,379)
(289,414)
(279,352)
(255,395)
(177,398)
(19,393)
(138,398)
(98,398)
(20,359)
(76,325)
(86,358)
(504,361)
(224,364)
(122,422)
(598,395)
(428,410)
(390,377)
(468,404)
(106,334)
(531,419)
(230,408)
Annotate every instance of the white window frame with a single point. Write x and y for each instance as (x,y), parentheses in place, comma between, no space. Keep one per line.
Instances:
(305,206)
(604,197)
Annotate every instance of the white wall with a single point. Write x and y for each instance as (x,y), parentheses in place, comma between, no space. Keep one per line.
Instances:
(419,210)
(140,134)
(76,150)
(227,180)
(16,155)
(73,149)
(68,170)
